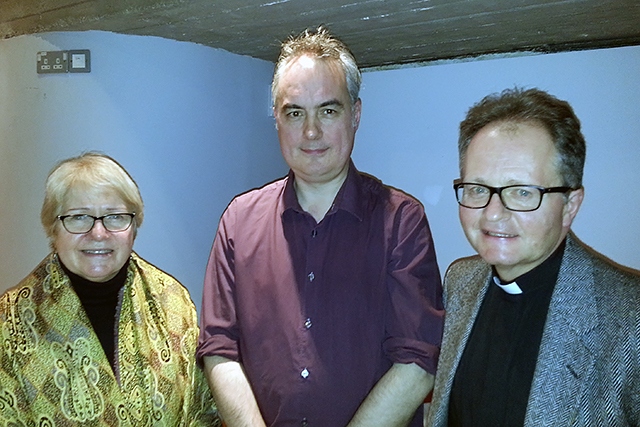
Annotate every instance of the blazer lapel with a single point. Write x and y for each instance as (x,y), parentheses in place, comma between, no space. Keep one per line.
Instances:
(565,359)
(467,308)
(464,291)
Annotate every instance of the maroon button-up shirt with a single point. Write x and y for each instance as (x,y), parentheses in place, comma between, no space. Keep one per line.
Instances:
(318,312)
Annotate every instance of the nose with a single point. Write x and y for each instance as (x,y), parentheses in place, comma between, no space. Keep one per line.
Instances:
(312,128)
(98,232)
(495,210)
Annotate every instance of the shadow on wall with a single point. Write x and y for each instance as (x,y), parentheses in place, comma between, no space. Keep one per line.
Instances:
(193,132)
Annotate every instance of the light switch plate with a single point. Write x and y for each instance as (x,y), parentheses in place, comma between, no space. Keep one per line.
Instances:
(79,61)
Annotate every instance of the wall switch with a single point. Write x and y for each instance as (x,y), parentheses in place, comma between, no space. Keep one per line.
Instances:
(79,61)
(64,61)
(53,62)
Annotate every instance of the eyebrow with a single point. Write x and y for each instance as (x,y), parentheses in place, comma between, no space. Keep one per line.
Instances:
(331,102)
(324,104)
(85,210)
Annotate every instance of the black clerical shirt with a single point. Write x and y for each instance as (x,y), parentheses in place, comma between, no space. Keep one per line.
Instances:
(492,383)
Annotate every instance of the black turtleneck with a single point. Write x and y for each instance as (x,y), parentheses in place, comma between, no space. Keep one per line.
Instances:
(100,301)
(492,383)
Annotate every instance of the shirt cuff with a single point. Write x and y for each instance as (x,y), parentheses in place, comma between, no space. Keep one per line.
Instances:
(403,350)
(217,345)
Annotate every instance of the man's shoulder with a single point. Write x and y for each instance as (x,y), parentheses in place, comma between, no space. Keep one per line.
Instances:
(255,207)
(469,262)
(271,190)
(257,201)
(579,252)
(465,267)
(376,189)
(609,293)
(611,280)
(464,279)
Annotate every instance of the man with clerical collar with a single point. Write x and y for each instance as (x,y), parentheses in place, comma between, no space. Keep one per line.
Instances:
(540,330)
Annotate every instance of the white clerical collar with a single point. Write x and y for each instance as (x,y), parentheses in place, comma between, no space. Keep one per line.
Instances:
(510,288)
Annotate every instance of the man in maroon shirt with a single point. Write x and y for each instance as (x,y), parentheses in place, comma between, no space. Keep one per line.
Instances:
(322,302)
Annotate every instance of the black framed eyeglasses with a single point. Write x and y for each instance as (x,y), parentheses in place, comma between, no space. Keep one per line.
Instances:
(83,223)
(518,198)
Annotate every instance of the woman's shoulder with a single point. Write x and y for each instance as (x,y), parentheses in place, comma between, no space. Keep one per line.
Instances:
(47,275)
(161,285)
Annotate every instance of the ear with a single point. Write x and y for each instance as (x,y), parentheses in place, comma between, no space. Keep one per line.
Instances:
(571,207)
(276,115)
(356,111)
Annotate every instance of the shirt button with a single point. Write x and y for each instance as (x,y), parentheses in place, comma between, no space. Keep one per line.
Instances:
(307,323)
(304,373)
(314,233)
(304,422)
(311,276)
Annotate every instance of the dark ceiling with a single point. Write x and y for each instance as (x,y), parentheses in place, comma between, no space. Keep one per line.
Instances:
(380,32)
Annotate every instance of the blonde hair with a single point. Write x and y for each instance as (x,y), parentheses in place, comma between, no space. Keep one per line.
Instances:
(89,171)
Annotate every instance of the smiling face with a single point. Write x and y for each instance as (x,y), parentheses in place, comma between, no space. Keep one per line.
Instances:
(315,119)
(516,242)
(99,254)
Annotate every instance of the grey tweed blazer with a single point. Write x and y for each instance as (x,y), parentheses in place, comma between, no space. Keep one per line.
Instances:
(588,369)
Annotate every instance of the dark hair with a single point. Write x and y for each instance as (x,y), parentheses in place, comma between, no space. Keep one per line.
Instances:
(319,44)
(536,107)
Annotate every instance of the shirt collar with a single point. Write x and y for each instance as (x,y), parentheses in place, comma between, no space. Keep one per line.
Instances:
(349,197)
(545,274)
(510,288)
(289,196)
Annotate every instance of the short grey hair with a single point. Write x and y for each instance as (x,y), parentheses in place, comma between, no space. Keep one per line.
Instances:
(319,43)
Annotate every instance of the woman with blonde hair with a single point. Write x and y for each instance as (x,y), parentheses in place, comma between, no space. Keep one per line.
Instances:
(95,335)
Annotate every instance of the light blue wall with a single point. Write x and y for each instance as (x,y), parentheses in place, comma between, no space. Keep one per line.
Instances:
(410,118)
(190,123)
(192,126)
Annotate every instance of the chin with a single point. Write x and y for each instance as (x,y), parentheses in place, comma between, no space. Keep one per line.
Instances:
(100,276)
(495,257)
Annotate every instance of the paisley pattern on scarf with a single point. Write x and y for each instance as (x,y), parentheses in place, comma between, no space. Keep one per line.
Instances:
(19,324)
(53,371)
(77,377)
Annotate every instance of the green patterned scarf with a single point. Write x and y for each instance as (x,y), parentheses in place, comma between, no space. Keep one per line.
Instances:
(53,371)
